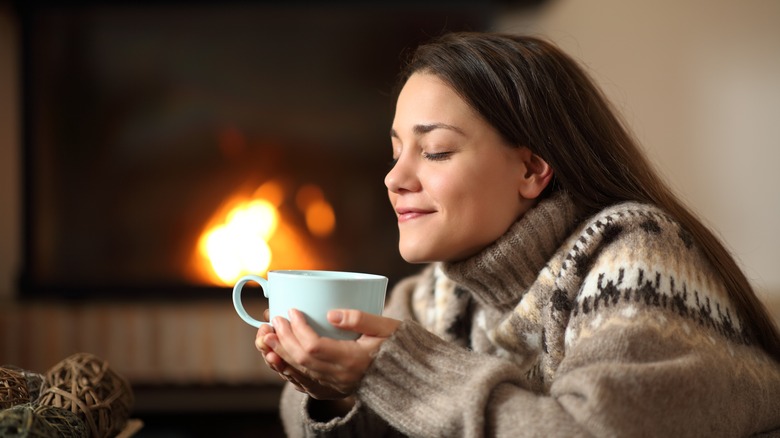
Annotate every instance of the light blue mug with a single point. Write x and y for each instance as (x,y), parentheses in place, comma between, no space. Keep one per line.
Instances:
(315,293)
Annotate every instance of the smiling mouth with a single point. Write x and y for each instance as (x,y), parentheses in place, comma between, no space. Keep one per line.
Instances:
(405,215)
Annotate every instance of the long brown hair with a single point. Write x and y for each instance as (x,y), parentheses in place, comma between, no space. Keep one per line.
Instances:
(539,97)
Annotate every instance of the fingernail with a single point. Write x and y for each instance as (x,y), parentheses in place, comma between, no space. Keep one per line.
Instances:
(335,316)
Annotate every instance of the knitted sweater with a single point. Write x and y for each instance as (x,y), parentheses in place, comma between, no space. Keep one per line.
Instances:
(612,326)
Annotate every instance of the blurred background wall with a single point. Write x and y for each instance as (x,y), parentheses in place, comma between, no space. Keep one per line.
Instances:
(10,191)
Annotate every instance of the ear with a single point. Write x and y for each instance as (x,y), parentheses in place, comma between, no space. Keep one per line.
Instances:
(537,176)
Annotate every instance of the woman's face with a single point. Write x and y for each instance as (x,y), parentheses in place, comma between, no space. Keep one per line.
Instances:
(454,185)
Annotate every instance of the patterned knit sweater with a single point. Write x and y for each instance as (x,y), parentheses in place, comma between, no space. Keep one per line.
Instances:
(612,326)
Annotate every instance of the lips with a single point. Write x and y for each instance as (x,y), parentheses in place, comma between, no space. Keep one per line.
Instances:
(408,214)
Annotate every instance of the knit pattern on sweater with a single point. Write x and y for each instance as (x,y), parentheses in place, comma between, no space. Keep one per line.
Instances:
(627,262)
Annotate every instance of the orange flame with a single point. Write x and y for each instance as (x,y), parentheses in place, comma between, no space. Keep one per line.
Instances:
(238,246)
(237,241)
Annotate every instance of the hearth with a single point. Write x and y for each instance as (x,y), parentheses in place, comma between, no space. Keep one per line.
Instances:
(172,146)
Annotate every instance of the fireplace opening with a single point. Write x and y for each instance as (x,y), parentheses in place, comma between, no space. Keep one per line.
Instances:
(171,147)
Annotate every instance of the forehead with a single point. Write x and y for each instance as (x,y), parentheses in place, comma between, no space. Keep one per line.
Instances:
(425,98)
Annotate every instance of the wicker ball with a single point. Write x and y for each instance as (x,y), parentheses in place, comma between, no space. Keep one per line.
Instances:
(13,388)
(35,382)
(33,420)
(63,422)
(85,385)
(21,422)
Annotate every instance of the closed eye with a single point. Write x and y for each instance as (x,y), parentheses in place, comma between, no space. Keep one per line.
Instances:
(436,156)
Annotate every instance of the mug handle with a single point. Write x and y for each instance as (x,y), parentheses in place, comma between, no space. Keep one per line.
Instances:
(237,298)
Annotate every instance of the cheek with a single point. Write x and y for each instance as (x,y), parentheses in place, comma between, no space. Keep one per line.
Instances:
(486,187)
(485,195)
(446,189)
(494,203)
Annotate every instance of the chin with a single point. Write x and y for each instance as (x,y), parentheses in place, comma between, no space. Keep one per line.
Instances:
(415,260)
(416,257)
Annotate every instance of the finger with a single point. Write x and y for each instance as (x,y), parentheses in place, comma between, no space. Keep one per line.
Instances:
(264,330)
(274,342)
(285,343)
(296,376)
(327,350)
(303,332)
(321,378)
(266,314)
(293,381)
(313,358)
(312,387)
(363,322)
(271,358)
(339,364)
(275,362)
(260,345)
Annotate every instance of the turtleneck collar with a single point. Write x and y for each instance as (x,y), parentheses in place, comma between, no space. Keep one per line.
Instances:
(501,273)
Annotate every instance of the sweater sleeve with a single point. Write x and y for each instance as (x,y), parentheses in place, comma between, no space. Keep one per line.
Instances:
(662,375)
(359,422)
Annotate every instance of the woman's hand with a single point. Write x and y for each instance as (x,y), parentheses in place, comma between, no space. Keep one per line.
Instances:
(269,356)
(277,364)
(322,367)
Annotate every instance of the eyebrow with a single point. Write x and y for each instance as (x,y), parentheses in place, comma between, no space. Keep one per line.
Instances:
(426,128)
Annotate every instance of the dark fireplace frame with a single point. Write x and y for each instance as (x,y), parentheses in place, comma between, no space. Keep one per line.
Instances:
(414,22)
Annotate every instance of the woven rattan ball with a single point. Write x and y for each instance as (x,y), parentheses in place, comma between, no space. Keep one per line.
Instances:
(35,382)
(85,385)
(13,388)
(65,423)
(32,420)
(21,422)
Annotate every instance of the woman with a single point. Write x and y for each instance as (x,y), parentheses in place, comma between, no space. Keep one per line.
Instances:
(568,293)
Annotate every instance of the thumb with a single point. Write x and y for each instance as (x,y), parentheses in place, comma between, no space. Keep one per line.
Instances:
(362,322)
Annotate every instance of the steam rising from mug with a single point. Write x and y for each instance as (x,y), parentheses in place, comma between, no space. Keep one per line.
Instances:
(315,293)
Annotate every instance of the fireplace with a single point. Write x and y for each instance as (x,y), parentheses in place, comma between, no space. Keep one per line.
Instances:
(171,146)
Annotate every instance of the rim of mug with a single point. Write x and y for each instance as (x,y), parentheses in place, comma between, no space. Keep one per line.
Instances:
(335,275)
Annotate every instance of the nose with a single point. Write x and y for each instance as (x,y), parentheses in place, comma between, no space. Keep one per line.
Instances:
(401,177)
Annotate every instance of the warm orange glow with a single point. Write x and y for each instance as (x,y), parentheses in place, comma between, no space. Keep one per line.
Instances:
(320,218)
(306,195)
(255,232)
(238,246)
(271,191)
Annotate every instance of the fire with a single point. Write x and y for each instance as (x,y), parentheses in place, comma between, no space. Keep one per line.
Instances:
(320,218)
(244,237)
(239,246)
